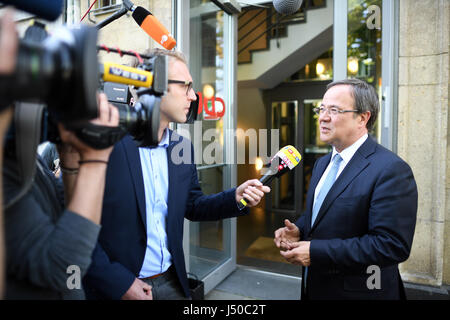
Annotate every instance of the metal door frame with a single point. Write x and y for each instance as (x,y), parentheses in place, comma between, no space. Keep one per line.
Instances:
(180,27)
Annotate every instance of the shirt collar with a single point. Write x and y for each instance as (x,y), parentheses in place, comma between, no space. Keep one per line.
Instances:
(165,139)
(347,153)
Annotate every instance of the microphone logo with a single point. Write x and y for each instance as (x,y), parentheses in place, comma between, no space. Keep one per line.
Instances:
(127,74)
(164,38)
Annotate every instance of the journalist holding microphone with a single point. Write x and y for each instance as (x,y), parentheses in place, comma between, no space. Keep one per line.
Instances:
(140,249)
(360,210)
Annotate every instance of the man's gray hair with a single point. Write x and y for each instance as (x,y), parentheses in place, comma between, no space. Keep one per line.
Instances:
(365,96)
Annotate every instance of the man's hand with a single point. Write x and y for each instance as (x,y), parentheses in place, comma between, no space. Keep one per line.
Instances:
(298,253)
(83,190)
(252,190)
(139,290)
(72,149)
(108,116)
(286,235)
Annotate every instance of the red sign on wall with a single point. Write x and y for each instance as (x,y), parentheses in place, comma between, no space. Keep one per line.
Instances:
(213,109)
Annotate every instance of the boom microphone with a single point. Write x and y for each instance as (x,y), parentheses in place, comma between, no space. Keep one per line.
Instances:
(46,9)
(287,6)
(285,160)
(153,28)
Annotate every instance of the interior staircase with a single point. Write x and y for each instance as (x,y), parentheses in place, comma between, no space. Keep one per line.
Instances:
(271,46)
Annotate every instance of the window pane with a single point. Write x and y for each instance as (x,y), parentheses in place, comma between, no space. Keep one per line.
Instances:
(207,68)
(364,44)
(209,242)
(318,69)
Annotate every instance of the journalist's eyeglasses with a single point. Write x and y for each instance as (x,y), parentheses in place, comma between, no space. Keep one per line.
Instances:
(333,110)
(188,84)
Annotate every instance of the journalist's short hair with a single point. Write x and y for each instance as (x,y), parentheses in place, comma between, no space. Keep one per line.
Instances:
(365,96)
(162,52)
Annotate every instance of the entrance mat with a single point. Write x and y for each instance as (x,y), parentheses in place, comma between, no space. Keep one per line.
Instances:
(264,248)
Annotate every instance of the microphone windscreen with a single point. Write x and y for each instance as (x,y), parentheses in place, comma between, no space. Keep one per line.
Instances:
(153,28)
(287,6)
(139,14)
(290,156)
(46,9)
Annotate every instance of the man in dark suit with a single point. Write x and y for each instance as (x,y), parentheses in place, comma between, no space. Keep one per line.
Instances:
(148,194)
(361,206)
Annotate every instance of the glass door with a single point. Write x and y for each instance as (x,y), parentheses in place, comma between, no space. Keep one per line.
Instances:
(289,109)
(284,189)
(209,246)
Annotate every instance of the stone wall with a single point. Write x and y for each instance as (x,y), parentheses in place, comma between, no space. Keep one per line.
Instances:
(125,33)
(423,133)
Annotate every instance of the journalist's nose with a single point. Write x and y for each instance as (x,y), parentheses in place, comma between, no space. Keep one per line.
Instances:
(191,95)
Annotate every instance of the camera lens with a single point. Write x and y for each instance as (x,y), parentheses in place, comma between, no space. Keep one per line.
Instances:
(61,72)
(142,120)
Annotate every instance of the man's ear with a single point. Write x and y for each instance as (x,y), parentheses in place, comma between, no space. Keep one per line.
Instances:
(365,116)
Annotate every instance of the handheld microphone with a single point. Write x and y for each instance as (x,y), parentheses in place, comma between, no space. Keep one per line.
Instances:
(285,160)
(287,6)
(153,28)
(46,9)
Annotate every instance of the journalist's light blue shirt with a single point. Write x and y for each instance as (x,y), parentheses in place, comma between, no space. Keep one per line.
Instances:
(156,183)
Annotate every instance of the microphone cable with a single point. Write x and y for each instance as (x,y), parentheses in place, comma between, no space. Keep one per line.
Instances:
(88,10)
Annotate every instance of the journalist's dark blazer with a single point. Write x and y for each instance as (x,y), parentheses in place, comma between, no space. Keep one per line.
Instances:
(118,256)
(367,218)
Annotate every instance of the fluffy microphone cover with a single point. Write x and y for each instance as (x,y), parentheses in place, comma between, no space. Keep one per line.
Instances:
(287,6)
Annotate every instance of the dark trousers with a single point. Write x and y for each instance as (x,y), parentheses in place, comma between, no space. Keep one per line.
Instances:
(166,286)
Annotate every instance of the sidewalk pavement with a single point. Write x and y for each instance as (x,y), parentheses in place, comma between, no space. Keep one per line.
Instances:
(250,284)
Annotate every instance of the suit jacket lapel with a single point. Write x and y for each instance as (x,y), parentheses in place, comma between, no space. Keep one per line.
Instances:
(134,165)
(171,169)
(173,211)
(352,169)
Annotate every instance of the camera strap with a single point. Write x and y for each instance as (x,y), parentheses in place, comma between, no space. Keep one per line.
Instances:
(27,122)
(99,137)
